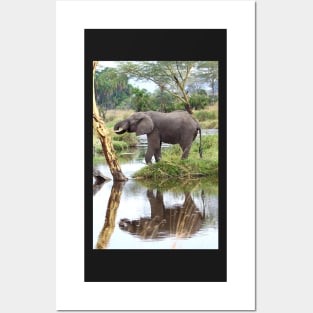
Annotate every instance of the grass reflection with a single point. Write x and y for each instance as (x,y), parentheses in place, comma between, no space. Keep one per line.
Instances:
(181,185)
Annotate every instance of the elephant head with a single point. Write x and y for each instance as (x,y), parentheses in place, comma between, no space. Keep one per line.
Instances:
(139,123)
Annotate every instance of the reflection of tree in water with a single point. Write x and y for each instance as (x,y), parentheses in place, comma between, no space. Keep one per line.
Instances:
(180,220)
(109,224)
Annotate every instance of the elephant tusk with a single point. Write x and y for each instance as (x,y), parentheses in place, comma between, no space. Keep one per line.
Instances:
(119,131)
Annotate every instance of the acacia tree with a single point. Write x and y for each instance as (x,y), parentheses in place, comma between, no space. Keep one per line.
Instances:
(104,137)
(208,73)
(170,76)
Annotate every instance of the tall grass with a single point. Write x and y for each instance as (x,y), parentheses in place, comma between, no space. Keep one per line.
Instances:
(208,118)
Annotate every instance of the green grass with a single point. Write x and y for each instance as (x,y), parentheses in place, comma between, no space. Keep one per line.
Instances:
(119,145)
(203,115)
(208,118)
(209,124)
(171,166)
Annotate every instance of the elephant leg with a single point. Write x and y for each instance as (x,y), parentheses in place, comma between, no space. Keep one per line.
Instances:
(186,150)
(156,203)
(154,147)
(157,154)
(149,155)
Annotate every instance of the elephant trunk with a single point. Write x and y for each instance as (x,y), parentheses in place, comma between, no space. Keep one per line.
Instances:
(119,128)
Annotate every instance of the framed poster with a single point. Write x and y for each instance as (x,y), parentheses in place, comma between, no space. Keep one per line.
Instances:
(189,238)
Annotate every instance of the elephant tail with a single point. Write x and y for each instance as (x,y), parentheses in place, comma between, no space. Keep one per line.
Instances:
(200,147)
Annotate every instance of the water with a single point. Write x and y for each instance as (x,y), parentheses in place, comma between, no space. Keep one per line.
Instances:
(138,215)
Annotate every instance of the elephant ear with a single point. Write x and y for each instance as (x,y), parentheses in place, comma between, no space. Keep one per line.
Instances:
(144,126)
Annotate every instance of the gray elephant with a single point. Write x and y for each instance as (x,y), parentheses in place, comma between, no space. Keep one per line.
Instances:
(177,127)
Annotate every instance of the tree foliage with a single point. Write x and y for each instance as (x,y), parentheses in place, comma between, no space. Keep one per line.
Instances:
(140,100)
(111,88)
(181,85)
(208,74)
(170,76)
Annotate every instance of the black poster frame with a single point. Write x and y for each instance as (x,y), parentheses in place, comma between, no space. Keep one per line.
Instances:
(150,265)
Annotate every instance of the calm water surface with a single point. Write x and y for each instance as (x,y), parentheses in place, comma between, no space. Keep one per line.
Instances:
(136,215)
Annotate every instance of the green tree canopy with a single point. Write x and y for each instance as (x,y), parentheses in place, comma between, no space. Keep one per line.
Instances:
(140,100)
(170,76)
(112,88)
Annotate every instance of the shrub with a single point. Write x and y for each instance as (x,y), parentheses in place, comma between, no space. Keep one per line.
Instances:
(198,101)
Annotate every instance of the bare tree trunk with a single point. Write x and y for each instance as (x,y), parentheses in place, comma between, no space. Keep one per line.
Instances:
(105,138)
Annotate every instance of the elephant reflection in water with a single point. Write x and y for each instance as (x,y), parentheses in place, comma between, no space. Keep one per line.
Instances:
(178,220)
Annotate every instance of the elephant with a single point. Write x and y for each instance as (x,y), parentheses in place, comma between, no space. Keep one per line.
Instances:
(180,220)
(177,127)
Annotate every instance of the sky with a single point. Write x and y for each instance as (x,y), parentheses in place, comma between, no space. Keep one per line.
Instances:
(150,86)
